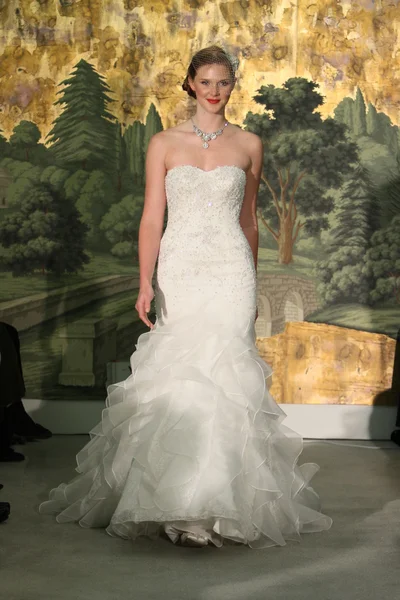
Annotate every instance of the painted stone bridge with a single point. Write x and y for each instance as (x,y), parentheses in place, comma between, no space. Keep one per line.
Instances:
(282,298)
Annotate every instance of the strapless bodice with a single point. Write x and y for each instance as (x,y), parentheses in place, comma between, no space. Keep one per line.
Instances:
(207,196)
(203,211)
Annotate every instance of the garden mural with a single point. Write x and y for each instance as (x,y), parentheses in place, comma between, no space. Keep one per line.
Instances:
(84,86)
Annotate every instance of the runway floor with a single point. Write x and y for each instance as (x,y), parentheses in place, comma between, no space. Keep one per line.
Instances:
(359,558)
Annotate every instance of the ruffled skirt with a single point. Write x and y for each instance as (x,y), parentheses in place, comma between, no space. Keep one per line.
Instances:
(193,440)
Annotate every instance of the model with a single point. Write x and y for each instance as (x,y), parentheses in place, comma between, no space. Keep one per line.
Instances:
(192,444)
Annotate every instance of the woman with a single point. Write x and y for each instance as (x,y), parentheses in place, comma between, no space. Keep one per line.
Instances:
(192,444)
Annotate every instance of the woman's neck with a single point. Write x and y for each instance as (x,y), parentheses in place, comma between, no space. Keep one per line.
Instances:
(209,122)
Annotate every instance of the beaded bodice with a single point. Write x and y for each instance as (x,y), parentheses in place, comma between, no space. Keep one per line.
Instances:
(203,212)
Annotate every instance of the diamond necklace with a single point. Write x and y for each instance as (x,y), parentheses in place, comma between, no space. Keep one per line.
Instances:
(206,137)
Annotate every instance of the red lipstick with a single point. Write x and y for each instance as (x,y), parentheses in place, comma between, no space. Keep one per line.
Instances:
(212,101)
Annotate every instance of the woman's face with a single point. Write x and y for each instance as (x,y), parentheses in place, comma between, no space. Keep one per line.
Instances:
(213,85)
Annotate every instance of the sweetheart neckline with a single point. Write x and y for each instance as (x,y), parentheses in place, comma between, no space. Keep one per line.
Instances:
(206,171)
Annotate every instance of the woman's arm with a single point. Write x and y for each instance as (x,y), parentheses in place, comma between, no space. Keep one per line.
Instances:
(248,215)
(152,220)
(151,223)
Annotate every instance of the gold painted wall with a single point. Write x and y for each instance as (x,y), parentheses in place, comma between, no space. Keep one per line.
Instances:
(142,47)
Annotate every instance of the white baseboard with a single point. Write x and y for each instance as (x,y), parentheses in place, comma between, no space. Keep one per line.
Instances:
(311,421)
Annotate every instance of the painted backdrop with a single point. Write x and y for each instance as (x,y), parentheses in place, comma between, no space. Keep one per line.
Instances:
(83,87)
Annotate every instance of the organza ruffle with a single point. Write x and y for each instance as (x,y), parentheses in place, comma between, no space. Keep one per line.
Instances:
(193,437)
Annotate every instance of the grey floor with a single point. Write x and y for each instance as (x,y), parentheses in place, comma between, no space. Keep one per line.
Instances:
(358,558)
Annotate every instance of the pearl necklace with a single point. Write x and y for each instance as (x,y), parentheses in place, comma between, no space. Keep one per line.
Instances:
(206,137)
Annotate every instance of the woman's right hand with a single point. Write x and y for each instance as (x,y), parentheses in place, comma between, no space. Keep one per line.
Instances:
(143,302)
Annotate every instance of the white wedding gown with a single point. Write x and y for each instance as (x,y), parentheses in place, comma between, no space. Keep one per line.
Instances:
(192,440)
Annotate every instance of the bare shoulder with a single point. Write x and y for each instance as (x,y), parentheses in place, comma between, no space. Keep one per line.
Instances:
(159,144)
(158,140)
(252,141)
(252,146)
(161,140)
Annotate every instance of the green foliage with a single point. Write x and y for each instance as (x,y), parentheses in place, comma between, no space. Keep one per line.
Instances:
(310,246)
(95,199)
(24,176)
(101,264)
(340,275)
(121,226)
(362,122)
(74,184)
(386,127)
(19,169)
(341,278)
(359,117)
(377,159)
(83,135)
(25,135)
(384,319)
(293,104)
(153,126)
(44,234)
(381,263)
(304,157)
(388,196)
(374,126)
(344,112)
(392,141)
(4,146)
(134,142)
(359,215)
(24,144)
(54,177)
(120,155)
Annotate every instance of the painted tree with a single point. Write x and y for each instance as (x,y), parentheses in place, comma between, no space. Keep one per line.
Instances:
(388,198)
(55,177)
(359,212)
(304,157)
(3,145)
(153,125)
(372,123)
(44,234)
(83,135)
(392,141)
(344,112)
(382,130)
(74,184)
(95,199)
(24,140)
(134,142)
(24,177)
(120,155)
(353,113)
(381,264)
(360,117)
(121,226)
(374,128)
(341,277)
